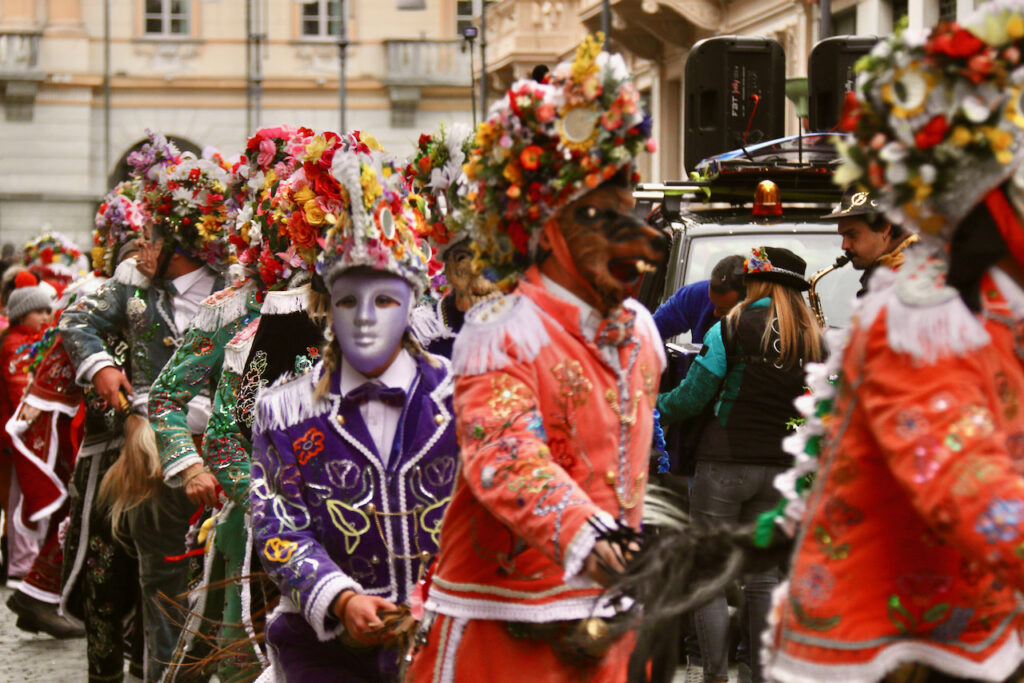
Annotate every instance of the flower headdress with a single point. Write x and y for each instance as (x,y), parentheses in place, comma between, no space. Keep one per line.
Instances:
(147,161)
(55,253)
(271,157)
(938,119)
(434,172)
(546,144)
(186,200)
(378,227)
(119,220)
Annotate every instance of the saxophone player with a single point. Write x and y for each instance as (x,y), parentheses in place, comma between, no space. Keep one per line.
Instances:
(869,240)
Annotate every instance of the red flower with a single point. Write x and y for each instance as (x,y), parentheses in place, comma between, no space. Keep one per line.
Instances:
(850,116)
(933,133)
(194,174)
(424,141)
(424,164)
(957,43)
(327,187)
(534,192)
(978,67)
(308,445)
(302,233)
(520,239)
(530,157)
(46,255)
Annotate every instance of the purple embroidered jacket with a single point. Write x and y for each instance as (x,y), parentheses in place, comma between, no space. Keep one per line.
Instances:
(327,515)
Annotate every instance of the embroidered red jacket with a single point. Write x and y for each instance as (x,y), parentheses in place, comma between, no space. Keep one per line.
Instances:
(911,548)
(551,435)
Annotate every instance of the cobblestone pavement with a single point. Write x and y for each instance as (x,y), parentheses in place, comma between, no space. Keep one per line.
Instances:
(35,657)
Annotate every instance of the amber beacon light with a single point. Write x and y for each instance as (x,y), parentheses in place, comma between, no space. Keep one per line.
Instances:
(767,201)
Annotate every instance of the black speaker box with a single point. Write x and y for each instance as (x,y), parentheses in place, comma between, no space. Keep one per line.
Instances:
(830,76)
(735,95)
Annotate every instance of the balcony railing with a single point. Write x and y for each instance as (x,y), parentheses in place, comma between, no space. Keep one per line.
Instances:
(427,62)
(19,53)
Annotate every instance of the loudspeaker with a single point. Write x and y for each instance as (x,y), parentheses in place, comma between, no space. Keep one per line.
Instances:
(830,76)
(735,95)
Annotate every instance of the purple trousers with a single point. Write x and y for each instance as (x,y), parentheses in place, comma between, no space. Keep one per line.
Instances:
(305,659)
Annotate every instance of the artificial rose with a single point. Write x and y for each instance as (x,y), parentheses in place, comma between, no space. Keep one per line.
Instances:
(302,233)
(530,157)
(46,256)
(314,214)
(958,44)
(268,150)
(327,187)
(520,239)
(933,133)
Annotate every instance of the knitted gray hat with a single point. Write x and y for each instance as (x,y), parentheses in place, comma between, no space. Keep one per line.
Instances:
(24,300)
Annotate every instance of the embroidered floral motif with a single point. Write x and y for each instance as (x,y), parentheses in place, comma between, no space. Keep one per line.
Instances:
(975,422)
(252,382)
(814,585)
(1007,395)
(509,396)
(203,346)
(828,546)
(573,387)
(973,471)
(999,522)
(197,374)
(562,452)
(279,550)
(946,516)
(841,514)
(910,422)
(308,445)
(928,457)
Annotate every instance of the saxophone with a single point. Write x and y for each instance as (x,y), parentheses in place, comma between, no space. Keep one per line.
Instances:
(812,296)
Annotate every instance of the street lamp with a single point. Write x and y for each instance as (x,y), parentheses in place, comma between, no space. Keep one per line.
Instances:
(342,50)
(469,34)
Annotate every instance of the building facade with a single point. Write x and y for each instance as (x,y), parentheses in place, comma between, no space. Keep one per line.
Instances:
(82,80)
(657,35)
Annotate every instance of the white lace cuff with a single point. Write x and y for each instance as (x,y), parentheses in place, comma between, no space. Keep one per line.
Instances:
(581,546)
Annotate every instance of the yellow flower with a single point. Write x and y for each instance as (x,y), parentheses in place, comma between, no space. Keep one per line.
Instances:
(998,138)
(1015,27)
(386,171)
(921,189)
(371,187)
(269,178)
(370,142)
(314,214)
(961,136)
(209,227)
(1004,156)
(315,148)
(484,134)
(304,195)
(97,257)
(583,65)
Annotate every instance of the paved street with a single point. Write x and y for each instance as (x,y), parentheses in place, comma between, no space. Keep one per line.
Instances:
(34,657)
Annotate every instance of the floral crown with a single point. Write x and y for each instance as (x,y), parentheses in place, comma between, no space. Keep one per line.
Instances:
(546,144)
(379,228)
(434,172)
(937,118)
(55,252)
(271,157)
(119,220)
(757,262)
(156,153)
(187,201)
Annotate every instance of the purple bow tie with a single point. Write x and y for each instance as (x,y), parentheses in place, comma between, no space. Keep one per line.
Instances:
(364,393)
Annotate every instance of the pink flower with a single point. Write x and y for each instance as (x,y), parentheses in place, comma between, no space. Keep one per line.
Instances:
(505,141)
(267,151)
(652,146)
(545,112)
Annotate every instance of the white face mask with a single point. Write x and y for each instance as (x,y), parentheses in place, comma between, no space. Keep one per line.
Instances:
(370,315)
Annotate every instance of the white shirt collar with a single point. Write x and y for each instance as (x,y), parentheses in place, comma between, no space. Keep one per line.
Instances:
(590,317)
(185,282)
(400,374)
(1009,289)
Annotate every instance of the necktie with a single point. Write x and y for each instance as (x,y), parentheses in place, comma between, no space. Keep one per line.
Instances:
(391,396)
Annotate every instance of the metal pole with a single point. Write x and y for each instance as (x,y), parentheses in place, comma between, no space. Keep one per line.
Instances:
(825,19)
(483,60)
(249,130)
(472,83)
(257,68)
(342,48)
(606,22)
(106,90)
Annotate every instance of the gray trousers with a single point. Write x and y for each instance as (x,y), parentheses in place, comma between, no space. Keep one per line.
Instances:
(158,528)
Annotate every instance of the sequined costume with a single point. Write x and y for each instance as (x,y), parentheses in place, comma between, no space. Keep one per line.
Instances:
(141,311)
(328,515)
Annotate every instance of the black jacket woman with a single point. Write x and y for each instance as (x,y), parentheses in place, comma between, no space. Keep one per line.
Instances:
(751,370)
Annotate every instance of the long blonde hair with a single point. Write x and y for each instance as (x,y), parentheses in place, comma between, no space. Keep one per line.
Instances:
(799,334)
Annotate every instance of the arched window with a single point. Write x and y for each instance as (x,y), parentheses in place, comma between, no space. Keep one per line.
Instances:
(122,171)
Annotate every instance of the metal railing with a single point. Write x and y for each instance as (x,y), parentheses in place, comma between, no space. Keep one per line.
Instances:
(19,52)
(427,62)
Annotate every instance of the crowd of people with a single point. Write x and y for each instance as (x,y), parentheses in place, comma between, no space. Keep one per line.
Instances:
(319,413)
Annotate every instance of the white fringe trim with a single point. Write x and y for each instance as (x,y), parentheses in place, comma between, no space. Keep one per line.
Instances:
(426,325)
(289,401)
(450,605)
(645,323)
(286,301)
(127,273)
(497,333)
(997,667)
(221,308)
(237,350)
